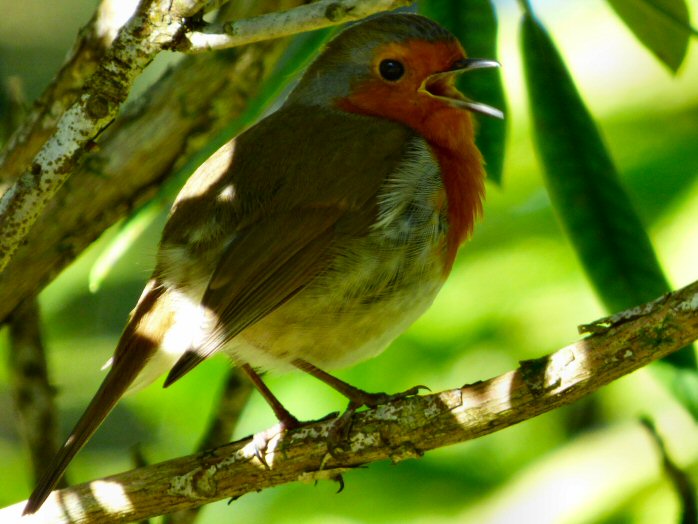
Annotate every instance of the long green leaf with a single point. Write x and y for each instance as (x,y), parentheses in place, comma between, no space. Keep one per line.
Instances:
(475,24)
(587,194)
(663,27)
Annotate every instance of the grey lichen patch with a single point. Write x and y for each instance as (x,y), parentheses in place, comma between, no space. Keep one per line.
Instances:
(604,324)
(362,440)
(313,432)
(244,454)
(387,412)
(691,304)
(197,484)
(432,408)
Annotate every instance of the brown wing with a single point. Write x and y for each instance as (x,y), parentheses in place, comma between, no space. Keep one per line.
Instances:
(296,198)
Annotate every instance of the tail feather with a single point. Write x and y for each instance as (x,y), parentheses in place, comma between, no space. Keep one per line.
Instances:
(111,390)
(135,348)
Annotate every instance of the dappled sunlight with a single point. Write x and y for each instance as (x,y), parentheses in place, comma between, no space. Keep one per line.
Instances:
(590,477)
(110,495)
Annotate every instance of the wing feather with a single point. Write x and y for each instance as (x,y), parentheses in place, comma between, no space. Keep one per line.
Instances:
(294,201)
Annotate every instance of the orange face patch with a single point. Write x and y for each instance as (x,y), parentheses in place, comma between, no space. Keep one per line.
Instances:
(409,100)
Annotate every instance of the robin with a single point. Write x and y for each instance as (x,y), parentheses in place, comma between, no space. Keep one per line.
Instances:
(318,235)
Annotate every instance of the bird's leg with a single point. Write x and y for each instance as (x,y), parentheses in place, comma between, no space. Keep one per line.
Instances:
(357,397)
(287,420)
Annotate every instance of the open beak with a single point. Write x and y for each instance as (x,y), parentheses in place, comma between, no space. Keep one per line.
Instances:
(442,86)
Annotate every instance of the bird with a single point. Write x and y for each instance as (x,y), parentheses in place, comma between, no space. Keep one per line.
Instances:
(318,235)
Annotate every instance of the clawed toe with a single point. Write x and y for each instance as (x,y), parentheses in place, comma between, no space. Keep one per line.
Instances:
(338,434)
(261,444)
(261,440)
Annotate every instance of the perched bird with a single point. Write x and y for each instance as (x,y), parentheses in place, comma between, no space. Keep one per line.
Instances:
(318,235)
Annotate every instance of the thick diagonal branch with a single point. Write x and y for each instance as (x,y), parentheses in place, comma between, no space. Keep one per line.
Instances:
(399,430)
(154,25)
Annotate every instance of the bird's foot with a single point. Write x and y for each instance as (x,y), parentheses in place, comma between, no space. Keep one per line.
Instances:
(339,431)
(359,398)
(286,423)
(261,440)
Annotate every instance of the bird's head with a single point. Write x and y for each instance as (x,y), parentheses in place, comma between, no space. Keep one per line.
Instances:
(398,66)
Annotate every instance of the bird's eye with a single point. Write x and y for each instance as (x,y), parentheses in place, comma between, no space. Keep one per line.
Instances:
(392,70)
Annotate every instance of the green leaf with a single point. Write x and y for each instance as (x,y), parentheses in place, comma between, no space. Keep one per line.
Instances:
(474,23)
(662,26)
(584,186)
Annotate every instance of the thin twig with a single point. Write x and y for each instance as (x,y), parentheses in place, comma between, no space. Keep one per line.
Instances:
(397,431)
(318,15)
(685,489)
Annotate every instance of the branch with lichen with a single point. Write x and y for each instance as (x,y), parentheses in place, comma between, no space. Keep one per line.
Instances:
(154,24)
(233,399)
(318,15)
(399,430)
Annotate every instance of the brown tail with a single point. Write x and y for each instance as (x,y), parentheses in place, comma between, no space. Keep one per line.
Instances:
(132,353)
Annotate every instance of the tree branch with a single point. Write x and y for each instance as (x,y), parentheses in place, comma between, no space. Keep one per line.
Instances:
(33,394)
(39,124)
(318,15)
(397,431)
(174,119)
(154,25)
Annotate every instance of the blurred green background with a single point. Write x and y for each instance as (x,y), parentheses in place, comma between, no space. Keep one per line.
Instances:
(516,292)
